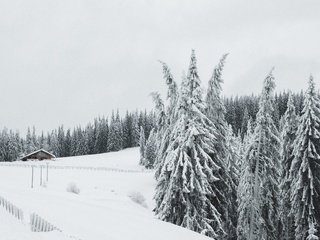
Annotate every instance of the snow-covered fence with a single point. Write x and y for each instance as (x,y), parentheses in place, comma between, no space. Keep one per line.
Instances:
(11,208)
(107,169)
(38,224)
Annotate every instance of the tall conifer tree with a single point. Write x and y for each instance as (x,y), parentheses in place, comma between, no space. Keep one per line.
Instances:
(262,174)
(305,169)
(288,136)
(186,184)
(216,113)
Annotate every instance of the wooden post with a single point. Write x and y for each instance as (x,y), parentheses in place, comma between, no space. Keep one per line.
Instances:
(31,176)
(47,171)
(40,175)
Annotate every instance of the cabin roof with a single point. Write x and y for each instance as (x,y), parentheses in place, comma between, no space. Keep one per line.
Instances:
(40,150)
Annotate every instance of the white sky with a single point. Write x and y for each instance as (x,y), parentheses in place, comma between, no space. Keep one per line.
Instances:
(66,62)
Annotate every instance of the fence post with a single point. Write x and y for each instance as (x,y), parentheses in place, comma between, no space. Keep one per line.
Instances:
(32,176)
(47,171)
(40,175)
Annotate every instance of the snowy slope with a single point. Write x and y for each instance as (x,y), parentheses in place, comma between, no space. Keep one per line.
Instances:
(125,159)
(11,229)
(106,207)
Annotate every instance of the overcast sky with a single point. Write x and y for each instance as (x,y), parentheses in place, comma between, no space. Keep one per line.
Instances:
(68,61)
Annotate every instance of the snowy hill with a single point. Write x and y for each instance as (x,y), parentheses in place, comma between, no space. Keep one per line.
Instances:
(114,203)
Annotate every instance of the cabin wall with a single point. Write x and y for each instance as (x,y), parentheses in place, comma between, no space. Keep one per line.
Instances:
(42,155)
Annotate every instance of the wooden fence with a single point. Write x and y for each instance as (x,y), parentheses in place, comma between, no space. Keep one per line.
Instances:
(107,169)
(38,224)
(11,208)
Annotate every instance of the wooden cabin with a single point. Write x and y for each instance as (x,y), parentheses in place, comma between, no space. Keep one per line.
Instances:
(39,155)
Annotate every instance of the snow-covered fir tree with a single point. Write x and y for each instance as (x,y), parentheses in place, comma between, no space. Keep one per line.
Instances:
(115,133)
(166,117)
(233,155)
(101,141)
(34,139)
(160,112)
(60,147)
(245,187)
(160,130)
(91,134)
(244,145)
(127,131)
(30,144)
(67,143)
(150,154)
(9,146)
(187,184)
(79,142)
(172,94)
(288,135)
(216,113)
(42,141)
(135,130)
(142,146)
(245,119)
(262,174)
(305,169)
(53,142)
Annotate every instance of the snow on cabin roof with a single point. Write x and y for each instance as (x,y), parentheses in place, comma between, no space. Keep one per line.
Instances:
(40,150)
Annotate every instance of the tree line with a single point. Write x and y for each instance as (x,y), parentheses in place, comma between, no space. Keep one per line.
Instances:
(100,136)
(237,168)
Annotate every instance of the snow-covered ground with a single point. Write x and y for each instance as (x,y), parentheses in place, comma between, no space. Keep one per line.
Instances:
(125,159)
(11,229)
(113,205)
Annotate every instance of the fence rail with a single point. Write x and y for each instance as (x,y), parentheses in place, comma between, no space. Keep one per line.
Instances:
(107,169)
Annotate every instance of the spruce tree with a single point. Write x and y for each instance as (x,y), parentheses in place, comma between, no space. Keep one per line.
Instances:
(118,132)
(91,134)
(135,130)
(305,169)
(29,146)
(245,187)
(101,141)
(187,182)
(244,122)
(232,157)
(142,146)
(167,116)
(127,131)
(54,142)
(288,136)
(67,143)
(150,154)
(34,139)
(262,176)
(60,148)
(115,133)
(216,113)
(160,111)
(172,94)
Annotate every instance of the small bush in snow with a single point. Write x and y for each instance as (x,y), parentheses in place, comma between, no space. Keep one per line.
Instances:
(138,198)
(73,188)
